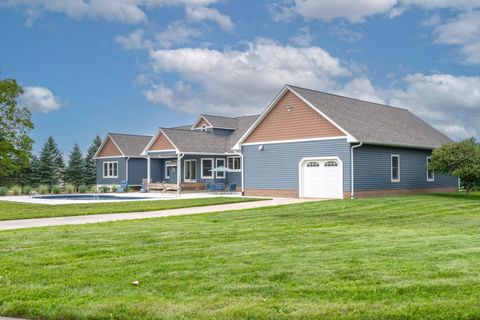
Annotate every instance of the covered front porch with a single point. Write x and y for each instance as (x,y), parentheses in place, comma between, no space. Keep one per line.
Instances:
(193,172)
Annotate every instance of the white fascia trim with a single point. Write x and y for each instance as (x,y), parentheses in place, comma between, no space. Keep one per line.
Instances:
(155,136)
(199,118)
(112,157)
(300,172)
(294,140)
(321,113)
(208,154)
(201,168)
(169,150)
(95,156)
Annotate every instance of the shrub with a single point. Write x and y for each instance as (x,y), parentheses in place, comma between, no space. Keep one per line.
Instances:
(43,189)
(114,189)
(16,190)
(69,188)
(128,189)
(3,191)
(104,189)
(56,189)
(82,188)
(27,189)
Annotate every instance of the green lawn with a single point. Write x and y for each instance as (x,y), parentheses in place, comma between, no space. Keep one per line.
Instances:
(16,210)
(409,257)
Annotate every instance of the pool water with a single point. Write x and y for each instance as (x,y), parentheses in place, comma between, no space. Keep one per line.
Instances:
(89,197)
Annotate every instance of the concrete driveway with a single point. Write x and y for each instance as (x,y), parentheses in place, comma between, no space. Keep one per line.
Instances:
(95,218)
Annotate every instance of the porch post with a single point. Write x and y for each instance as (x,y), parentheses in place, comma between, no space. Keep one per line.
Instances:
(179,173)
(148,170)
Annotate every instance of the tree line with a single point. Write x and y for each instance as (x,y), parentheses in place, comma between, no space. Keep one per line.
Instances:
(18,165)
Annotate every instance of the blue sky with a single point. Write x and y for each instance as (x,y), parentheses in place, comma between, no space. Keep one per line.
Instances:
(133,65)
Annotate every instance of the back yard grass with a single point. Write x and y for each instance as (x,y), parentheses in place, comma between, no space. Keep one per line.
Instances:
(17,210)
(411,257)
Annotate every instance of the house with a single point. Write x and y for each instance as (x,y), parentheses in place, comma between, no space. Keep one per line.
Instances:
(306,143)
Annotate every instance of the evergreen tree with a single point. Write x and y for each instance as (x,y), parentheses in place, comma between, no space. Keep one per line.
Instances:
(75,172)
(35,171)
(90,167)
(51,166)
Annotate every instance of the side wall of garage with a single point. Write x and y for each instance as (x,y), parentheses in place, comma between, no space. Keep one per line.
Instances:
(274,169)
(372,172)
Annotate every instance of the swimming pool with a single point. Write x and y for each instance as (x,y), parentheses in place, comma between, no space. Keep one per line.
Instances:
(90,197)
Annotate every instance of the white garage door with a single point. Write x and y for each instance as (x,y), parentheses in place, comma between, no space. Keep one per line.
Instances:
(321,178)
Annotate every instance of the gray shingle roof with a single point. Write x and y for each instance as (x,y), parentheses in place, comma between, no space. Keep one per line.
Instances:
(221,122)
(187,140)
(131,145)
(375,123)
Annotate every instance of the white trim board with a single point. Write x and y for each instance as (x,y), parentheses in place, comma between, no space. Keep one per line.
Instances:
(294,140)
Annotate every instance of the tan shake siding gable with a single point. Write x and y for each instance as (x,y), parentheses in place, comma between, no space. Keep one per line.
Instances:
(109,150)
(161,143)
(302,122)
(201,123)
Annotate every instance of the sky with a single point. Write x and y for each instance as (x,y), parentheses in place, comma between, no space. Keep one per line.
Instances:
(131,66)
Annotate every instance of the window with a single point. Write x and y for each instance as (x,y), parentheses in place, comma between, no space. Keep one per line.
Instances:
(313,164)
(220,163)
(234,163)
(395,168)
(110,169)
(331,164)
(207,166)
(190,171)
(170,168)
(203,127)
(430,173)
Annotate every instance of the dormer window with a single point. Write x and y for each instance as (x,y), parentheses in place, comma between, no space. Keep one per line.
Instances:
(203,127)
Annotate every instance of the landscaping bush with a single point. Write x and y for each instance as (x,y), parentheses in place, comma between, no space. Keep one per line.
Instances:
(114,188)
(83,189)
(3,191)
(104,189)
(69,188)
(56,189)
(43,189)
(27,190)
(16,190)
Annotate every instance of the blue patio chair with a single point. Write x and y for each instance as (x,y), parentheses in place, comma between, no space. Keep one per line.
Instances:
(232,188)
(123,186)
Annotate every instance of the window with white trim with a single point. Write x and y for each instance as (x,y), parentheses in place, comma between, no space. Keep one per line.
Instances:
(190,171)
(395,168)
(170,168)
(430,172)
(234,163)
(110,169)
(220,163)
(206,168)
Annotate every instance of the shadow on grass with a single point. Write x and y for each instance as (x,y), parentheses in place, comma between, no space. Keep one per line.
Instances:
(473,196)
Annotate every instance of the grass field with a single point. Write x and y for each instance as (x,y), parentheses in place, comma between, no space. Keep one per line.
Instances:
(16,210)
(412,257)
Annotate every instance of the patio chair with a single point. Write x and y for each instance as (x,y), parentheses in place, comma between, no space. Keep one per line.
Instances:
(123,186)
(232,188)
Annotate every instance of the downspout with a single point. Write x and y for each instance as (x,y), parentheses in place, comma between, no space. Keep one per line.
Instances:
(242,170)
(352,177)
(179,172)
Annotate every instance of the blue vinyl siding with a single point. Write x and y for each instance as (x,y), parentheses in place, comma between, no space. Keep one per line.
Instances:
(372,169)
(277,166)
(121,171)
(137,170)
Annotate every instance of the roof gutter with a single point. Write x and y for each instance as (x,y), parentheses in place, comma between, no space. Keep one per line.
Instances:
(352,178)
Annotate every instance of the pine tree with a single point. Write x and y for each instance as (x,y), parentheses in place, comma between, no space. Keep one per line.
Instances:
(75,172)
(90,167)
(35,171)
(51,166)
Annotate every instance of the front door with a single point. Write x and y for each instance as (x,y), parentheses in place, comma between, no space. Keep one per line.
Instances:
(171,171)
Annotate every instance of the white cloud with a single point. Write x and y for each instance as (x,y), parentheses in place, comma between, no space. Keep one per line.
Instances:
(304,38)
(463,31)
(358,10)
(133,41)
(240,81)
(125,11)
(39,99)
(450,103)
(201,13)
